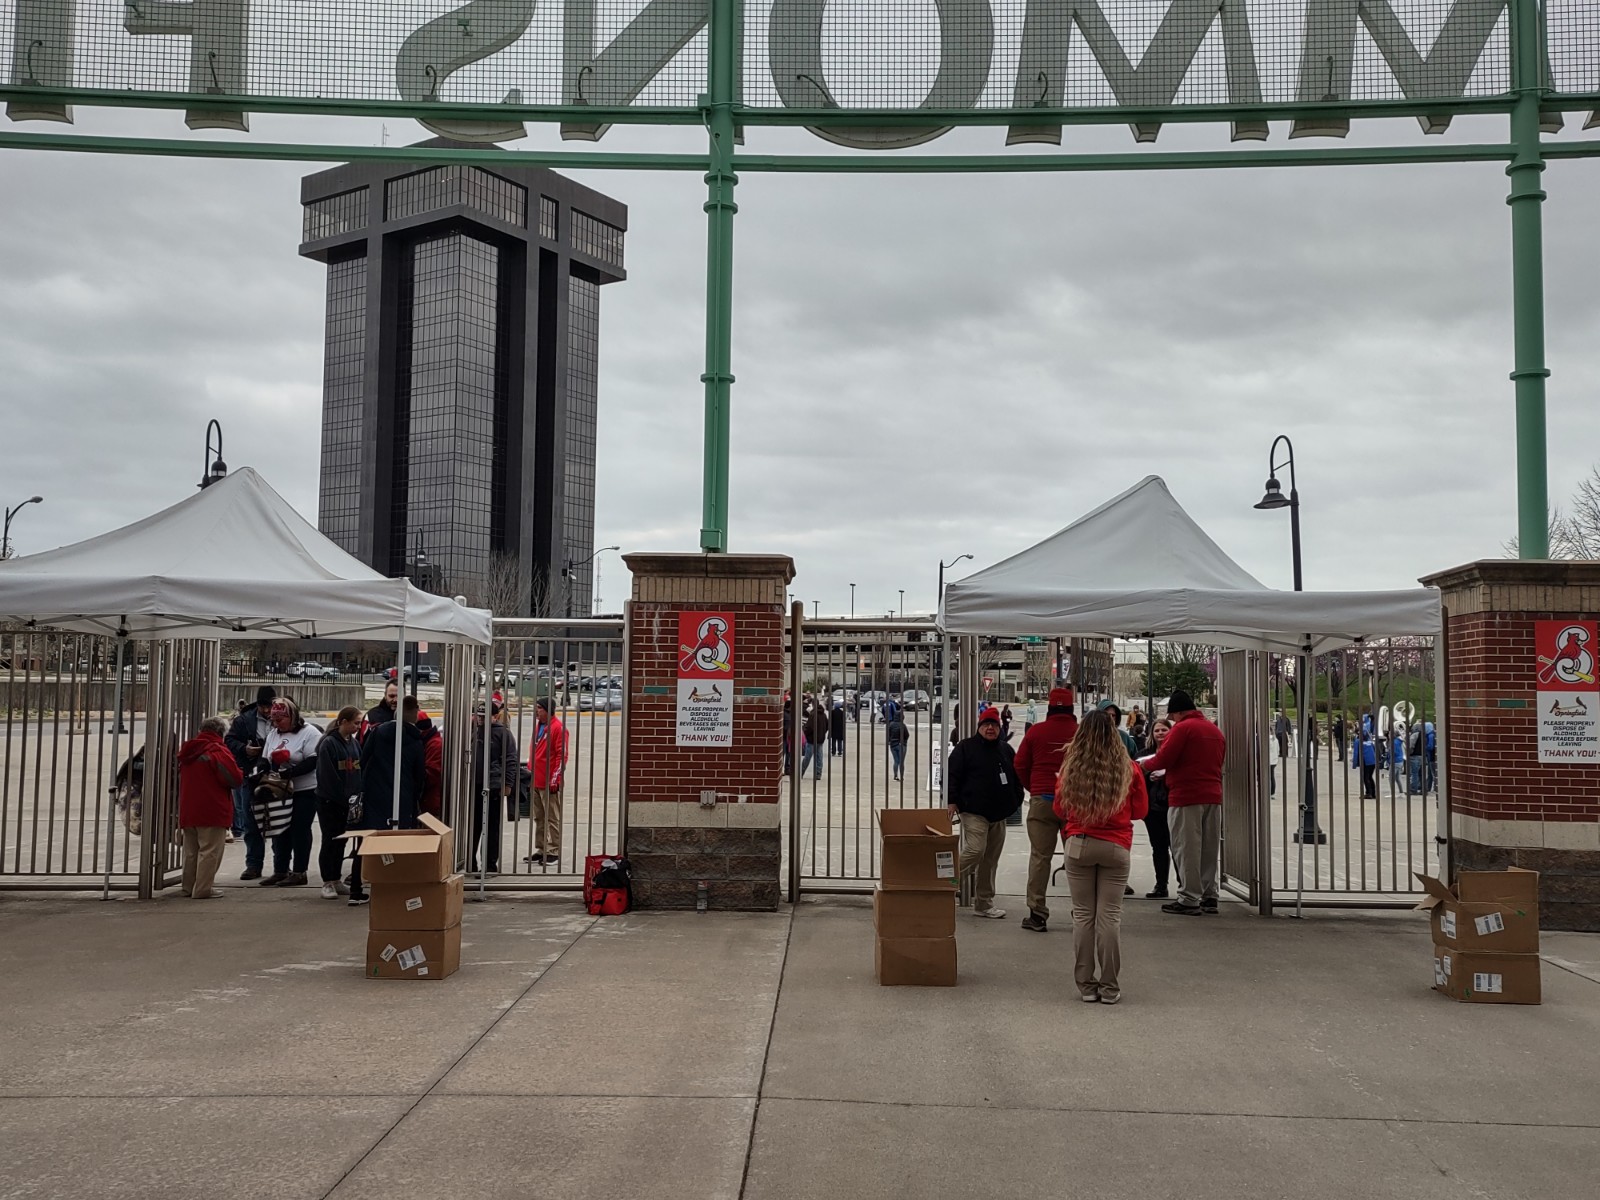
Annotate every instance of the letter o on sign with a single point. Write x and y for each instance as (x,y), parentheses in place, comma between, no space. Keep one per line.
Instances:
(966,45)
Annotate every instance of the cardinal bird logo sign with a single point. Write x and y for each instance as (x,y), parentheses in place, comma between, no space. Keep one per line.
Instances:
(705,679)
(1568,691)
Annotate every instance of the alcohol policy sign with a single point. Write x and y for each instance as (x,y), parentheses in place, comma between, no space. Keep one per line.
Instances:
(1568,691)
(705,679)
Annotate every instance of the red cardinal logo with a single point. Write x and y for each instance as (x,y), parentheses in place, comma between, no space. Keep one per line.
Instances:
(710,652)
(1571,662)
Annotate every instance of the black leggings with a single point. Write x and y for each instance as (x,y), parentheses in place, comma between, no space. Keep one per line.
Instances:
(1155,825)
(331,816)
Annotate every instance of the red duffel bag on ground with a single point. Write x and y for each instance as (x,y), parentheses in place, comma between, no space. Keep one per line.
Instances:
(607,885)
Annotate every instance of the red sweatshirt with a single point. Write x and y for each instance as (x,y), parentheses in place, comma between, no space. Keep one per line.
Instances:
(207,776)
(1192,758)
(1118,827)
(1043,747)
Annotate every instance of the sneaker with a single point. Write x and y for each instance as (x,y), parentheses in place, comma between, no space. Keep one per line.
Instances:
(357,898)
(1158,894)
(533,860)
(1110,997)
(272,880)
(1126,890)
(330,892)
(1090,997)
(294,879)
(250,873)
(229,836)
(341,888)
(552,860)
(1034,923)
(1209,906)
(992,914)
(1181,910)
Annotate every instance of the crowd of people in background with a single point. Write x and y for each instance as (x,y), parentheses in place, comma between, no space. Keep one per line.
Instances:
(270,777)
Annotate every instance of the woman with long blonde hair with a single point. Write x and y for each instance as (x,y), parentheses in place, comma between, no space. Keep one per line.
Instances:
(1099,795)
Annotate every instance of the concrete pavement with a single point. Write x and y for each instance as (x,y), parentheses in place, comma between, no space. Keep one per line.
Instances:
(175,1049)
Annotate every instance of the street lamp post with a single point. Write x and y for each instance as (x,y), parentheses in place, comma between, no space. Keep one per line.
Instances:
(852,602)
(569,567)
(1273,498)
(944,566)
(5,538)
(902,603)
(212,468)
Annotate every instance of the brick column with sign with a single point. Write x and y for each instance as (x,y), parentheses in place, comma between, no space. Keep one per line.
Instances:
(1522,748)
(705,728)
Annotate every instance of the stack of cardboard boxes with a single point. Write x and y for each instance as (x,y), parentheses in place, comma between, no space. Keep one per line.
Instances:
(914,908)
(415,927)
(1485,936)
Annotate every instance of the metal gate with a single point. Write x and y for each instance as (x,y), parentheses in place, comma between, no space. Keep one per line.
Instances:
(88,780)
(580,666)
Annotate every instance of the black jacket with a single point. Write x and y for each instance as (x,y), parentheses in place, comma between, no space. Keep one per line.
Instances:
(377,776)
(502,759)
(983,778)
(244,730)
(338,767)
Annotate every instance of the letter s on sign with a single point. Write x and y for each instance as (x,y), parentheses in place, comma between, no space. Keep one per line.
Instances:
(966,43)
(445,44)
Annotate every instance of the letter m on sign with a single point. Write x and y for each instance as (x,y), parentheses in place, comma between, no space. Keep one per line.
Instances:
(1153,83)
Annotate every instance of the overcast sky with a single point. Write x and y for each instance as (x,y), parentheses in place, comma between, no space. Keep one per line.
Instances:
(927,365)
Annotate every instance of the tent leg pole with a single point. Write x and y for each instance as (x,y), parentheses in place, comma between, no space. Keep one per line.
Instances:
(116,750)
(399,717)
(483,770)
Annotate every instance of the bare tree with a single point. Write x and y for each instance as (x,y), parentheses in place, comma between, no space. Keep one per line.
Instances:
(1574,533)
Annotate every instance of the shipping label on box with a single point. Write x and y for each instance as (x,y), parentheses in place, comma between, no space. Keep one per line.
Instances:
(413,953)
(417,905)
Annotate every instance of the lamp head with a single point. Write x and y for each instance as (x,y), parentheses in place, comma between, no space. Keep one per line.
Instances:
(1274,497)
(35,499)
(219,470)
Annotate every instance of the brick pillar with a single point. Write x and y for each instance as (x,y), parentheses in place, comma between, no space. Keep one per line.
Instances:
(1507,807)
(674,841)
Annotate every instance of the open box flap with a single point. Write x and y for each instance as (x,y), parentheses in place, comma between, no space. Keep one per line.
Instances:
(1438,891)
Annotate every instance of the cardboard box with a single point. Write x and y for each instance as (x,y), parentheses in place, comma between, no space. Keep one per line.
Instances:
(413,953)
(914,914)
(916,962)
(1486,977)
(1488,910)
(416,905)
(918,852)
(425,855)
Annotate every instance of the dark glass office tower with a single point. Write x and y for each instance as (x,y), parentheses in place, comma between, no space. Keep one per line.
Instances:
(459,388)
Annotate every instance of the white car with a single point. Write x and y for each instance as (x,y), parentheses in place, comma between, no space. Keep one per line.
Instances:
(602,700)
(312,670)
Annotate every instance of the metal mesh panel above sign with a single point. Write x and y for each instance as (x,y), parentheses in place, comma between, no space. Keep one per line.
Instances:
(850,54)
(1573,39)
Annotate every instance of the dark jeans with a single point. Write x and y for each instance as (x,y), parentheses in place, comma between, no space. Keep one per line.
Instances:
(497,805)
(296,840)
(898,754)
(1369,781)
(331,816)
(836,745)
(1155,825)
(255,846)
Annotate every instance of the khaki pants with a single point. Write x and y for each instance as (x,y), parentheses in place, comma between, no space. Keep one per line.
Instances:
(1097,871)
(547,820)
(1196,845)
(1044,835)
(981,842)
(202,855)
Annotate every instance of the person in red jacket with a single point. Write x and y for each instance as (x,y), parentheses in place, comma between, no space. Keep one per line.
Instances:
(548,761)
(207,775)
(1099,795)
(1038,764)
(433,766)
(1191,758)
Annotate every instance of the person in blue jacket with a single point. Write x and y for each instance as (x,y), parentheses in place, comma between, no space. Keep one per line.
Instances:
(1364,754)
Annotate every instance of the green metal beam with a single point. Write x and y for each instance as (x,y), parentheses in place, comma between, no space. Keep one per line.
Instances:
(197,147)
(1527,282)
(723,80)
(1136,160)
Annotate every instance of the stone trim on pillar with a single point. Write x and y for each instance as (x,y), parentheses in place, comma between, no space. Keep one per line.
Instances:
(1506,807)
(675,843)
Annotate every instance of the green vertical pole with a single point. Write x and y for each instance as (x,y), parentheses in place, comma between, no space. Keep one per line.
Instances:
(718,104)
(1527,280)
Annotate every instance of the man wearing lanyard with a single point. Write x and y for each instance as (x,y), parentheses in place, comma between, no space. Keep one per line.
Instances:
(983,791)
(1038,764)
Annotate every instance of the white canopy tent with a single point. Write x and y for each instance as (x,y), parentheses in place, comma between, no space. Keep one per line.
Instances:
(232,561)
(1140,567)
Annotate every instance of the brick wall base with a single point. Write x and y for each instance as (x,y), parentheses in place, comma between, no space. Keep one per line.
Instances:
(1569,880)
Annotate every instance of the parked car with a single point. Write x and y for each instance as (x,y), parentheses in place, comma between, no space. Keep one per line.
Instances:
(425,674)
(913,700)
(602,700)
(312,670)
